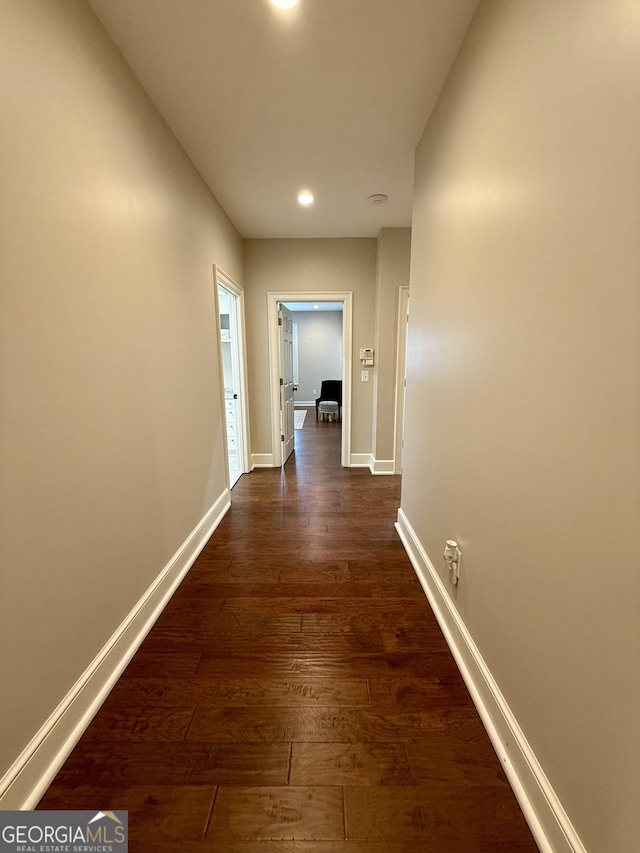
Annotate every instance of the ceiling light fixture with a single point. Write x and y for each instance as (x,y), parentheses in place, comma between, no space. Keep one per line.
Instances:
(284,4)
(305,198)
(316,307)
(378,198)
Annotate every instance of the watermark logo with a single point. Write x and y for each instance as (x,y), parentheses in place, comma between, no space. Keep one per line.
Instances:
(64,832)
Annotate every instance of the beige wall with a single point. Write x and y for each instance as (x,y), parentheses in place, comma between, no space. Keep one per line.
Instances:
(319,351)
(111,443)
(392,273)
(308,265)
(523,408)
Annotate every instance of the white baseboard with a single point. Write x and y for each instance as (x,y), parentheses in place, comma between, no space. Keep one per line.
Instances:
(309,404)
(30,775)
(383,466)
(549,823)
(262,460)
(376,466)
(360,460)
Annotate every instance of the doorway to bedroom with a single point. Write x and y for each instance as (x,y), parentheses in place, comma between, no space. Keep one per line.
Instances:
(320,325)
(317,360)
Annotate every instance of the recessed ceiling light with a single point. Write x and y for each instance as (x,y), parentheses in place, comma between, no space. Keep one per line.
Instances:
(305,198)
(284,4)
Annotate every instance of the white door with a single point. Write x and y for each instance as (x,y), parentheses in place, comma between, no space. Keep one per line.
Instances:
(285,349)
(233,412)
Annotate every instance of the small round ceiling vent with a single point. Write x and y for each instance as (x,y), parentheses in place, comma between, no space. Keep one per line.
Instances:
(378,198)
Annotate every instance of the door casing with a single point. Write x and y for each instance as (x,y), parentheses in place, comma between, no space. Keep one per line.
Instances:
(401,374)
(221,278)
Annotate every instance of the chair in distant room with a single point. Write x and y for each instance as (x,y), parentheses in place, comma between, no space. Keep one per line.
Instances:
(330,392)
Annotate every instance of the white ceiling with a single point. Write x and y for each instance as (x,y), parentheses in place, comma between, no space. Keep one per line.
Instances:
(331,96)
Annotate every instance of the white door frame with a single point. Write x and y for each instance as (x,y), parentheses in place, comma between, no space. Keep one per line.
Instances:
(344,296)
(220,277)
(401,372)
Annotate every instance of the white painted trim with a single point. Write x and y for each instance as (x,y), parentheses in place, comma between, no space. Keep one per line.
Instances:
(346,297)
(262,460)
(376,466)
(382,466)
(361,460)
(221,278)
(401,373)
(309,404)
(549,823)
(30,775)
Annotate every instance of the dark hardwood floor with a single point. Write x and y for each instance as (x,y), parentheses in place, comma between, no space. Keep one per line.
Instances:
(297,695)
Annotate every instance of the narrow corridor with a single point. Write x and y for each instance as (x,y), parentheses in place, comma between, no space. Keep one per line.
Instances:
(297,696)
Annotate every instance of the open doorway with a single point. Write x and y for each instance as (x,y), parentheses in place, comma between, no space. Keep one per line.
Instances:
(317,364)
(230,302)
(317,347)
(339,301)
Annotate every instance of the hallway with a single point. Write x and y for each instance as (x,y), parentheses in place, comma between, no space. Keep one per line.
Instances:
(297,694)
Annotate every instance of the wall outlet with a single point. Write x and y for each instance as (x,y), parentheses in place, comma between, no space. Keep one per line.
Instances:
(365,375)
(314,392)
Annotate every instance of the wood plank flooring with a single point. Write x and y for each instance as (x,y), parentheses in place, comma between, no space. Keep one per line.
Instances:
(297,695)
